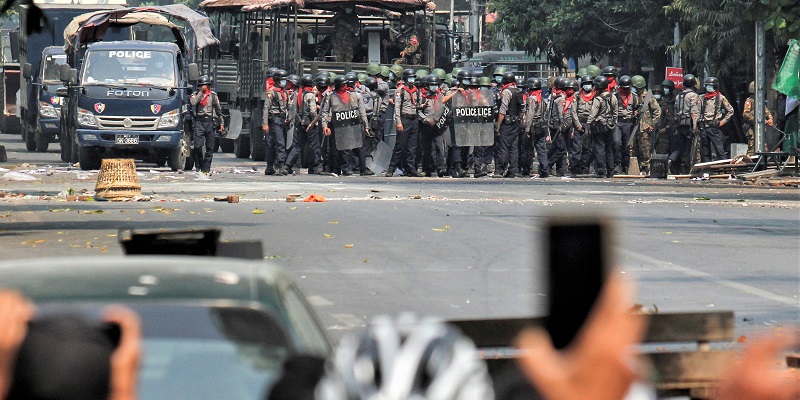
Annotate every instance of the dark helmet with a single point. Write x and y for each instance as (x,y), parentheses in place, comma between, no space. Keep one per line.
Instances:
(586,79)
(508,77)
(271,72)
(453,82)
(610,71)
(571,84)
(668,83)
(521,83)
(351,76)
(474,81)
(371,83)
(322,80)
(534,83)
(204,80)
(339,81)
(294,79)
(408,73)
(464,74)
(689,81)
(279,74)
(432,80)
(560,82)
(624,81)
(600,82)
(306,80)
(658,89)
(711,81)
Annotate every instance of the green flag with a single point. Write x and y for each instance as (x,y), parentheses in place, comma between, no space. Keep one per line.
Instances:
(788,80)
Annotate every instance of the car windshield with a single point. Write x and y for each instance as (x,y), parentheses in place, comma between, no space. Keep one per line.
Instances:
(51,71)
(205,353)
(129,67)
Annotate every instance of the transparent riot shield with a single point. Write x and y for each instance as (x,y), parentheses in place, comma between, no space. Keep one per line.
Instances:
(380,157)
(473,117)
(291,117)
(389,127)
(346,123)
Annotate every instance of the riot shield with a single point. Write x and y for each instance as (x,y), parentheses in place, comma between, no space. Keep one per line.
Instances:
(389,127)
(473,117)
(380,157)
(346,122)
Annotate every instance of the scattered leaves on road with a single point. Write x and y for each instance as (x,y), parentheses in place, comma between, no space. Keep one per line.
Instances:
(348,246)
(668,233)
(702,198)
(446,228)
(258,211)
(333,222)
(60,209)
(33,242)
(327,236)
(93,212)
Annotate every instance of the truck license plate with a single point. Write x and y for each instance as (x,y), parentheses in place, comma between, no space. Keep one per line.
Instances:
(127,139)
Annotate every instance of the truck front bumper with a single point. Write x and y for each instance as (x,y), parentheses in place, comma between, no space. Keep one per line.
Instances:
(129,139)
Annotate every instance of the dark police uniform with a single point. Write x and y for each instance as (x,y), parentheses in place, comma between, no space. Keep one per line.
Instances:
(203,139)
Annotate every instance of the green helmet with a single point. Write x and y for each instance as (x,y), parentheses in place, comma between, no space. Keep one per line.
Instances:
(485,81)
(499,71)
(448,78)
(384,71)
(638,81)
(397,70)
(373,69)
(362,77)
(421,73)
(439,73)
(581,72)
(333,76)
(455,71)
(593,71)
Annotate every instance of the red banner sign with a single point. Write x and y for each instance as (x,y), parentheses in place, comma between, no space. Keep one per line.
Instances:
(675,75)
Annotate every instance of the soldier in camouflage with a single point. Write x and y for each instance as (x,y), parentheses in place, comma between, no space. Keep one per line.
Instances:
(649,117)
(749,115)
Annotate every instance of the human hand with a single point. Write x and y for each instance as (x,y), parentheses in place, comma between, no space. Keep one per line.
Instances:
(265,128)
(125,358)
(753,378)
(599,363)
(326,131)
(548,138)
(308,128)
(399,127)
(15,312)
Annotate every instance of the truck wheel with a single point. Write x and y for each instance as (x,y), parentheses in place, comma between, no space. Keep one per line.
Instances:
(241,146)
(258,147)
(30,139)
(178,156)
(90,158)
(226,145)
(42,140)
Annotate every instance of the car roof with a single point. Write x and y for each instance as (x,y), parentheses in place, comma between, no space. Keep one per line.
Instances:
(135,45)
(132,278)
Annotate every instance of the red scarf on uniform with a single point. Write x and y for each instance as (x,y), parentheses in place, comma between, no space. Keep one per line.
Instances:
(204,99)
(711,95)
(343,94)
(279,90)
(568,101)
(625,97)
(587,98)
(270,84)
(507,85)
(411,91)
(612,83)
(430,94)
(538,95)
(300,94)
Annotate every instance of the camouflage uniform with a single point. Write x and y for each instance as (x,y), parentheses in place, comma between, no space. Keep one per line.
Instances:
(344,36)
(412,54)
(749,115)
(649,117)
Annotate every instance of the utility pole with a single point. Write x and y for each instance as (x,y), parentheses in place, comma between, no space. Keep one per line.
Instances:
(760,95)
(676,40)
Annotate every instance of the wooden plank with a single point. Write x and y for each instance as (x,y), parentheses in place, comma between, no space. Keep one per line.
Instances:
(495,332)
(678,368)
(690,327)
(758,174)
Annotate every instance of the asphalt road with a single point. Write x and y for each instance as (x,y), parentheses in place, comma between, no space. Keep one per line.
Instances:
(455,248)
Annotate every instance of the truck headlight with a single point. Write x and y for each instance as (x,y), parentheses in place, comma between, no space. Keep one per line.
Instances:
(86,118)
(169,119)
(47,110)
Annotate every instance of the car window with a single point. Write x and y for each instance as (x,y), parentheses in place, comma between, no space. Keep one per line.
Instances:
(307,328)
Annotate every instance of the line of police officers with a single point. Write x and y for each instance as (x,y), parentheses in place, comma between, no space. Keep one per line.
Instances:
(597,121)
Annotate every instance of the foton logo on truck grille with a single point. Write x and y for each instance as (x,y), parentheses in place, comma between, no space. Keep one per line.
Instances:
(128,93)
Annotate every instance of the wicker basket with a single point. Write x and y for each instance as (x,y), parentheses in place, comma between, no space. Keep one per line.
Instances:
(117,179)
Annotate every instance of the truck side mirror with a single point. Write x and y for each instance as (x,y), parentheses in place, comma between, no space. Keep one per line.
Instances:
(27,71)
(63,73)
(62,92)
(73,77)
(194,72)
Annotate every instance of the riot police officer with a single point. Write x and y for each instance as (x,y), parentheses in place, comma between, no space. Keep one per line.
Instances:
(305,135)
(687,116)
(205,109)
(582,150)
(508,118)
(715,112)
(603,120)
(274,124)
(627,112)
(406,99)
(534,124)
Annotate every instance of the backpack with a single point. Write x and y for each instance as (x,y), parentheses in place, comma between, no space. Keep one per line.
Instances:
(684,115)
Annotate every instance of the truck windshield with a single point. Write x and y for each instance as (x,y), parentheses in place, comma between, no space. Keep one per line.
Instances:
(50,71)
(129,67)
